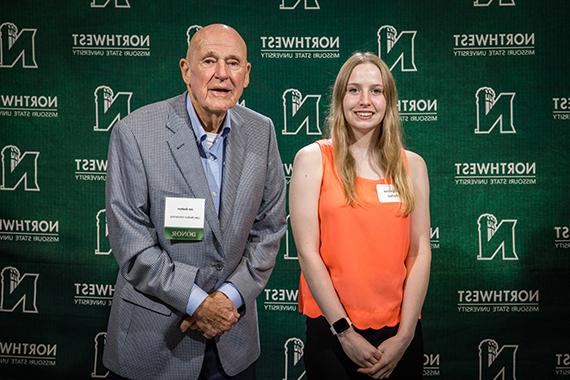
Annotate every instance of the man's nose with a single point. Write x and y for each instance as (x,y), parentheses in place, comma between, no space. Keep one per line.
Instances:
(221,69)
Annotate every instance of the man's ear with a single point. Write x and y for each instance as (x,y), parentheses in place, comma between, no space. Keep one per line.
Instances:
(185,70)
(246,80)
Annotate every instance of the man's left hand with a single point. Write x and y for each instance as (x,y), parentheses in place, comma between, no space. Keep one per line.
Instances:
(216,315)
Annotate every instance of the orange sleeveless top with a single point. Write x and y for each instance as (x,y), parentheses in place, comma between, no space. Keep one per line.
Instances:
(364,248)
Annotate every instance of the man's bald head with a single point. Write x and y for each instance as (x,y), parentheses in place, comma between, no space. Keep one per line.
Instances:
(215,31)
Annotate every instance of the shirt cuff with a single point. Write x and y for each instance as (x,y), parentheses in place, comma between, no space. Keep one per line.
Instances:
(197,296)
(232,293)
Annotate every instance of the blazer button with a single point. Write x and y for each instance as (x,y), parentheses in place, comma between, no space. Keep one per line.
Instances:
(219,266)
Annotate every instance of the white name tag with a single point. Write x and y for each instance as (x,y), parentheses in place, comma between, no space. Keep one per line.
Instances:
(387,194)
(184,218)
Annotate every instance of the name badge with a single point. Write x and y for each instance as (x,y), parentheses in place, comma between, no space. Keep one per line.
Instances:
(387,194)
(184,218)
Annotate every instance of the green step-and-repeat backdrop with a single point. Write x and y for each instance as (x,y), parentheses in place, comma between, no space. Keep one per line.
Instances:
(484,91)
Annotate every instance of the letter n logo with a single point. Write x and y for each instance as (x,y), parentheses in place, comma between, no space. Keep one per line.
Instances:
(495,363)
(18,290)
(19,168)
(292,4)
(103,246)
(16,46)
(104,3)
(486,3)
(99,370)
(495,237)
(290,251)
(294,367)
(110,107)
(396,48)
(299,113)
(494,110)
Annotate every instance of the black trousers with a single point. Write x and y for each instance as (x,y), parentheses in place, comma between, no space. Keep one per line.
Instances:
(325,358)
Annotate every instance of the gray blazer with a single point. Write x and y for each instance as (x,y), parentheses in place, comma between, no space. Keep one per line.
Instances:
(153,154)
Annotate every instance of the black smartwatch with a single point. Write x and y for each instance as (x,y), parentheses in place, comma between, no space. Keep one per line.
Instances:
(341,326)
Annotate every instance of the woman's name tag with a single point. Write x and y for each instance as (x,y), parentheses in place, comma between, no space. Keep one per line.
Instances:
(387,194)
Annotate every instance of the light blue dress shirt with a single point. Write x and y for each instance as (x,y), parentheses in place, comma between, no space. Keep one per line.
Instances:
(213,163)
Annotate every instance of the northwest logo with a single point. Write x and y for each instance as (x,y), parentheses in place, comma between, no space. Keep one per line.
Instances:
(495,237)
(16,46)
(294,367)
(26,230)
(561,108)
(110,107)
(486,3)
(417,110)
(493,110)
(18,168)
(300,112)
(292,4)
(103,246)
(90,169)
(28,105)
(396,48)
(281,299)
(562,364)
(497,362)
(562,239)
(99,370)
(18,291)
(104,3)
(93,294)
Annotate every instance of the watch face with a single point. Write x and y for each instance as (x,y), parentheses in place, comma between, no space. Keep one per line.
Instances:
(340,325)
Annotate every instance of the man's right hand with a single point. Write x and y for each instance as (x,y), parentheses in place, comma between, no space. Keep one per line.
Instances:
(216,315)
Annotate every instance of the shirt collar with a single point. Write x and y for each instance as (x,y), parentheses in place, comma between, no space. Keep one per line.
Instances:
(197,126)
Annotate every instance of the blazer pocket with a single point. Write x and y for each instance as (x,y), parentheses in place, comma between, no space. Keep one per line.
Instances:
(130,294)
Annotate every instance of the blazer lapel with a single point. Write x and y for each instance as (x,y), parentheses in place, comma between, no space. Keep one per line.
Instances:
(236,146)
(184,148)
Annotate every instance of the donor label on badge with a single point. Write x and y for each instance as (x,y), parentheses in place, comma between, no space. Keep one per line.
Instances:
(387,194)
(184,218)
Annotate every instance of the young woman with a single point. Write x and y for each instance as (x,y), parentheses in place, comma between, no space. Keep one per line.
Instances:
(359,206)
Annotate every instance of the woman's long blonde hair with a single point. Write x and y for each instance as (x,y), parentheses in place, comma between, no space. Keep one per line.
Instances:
(386,146)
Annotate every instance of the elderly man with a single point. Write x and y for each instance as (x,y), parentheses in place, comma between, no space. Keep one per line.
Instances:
(195,210)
